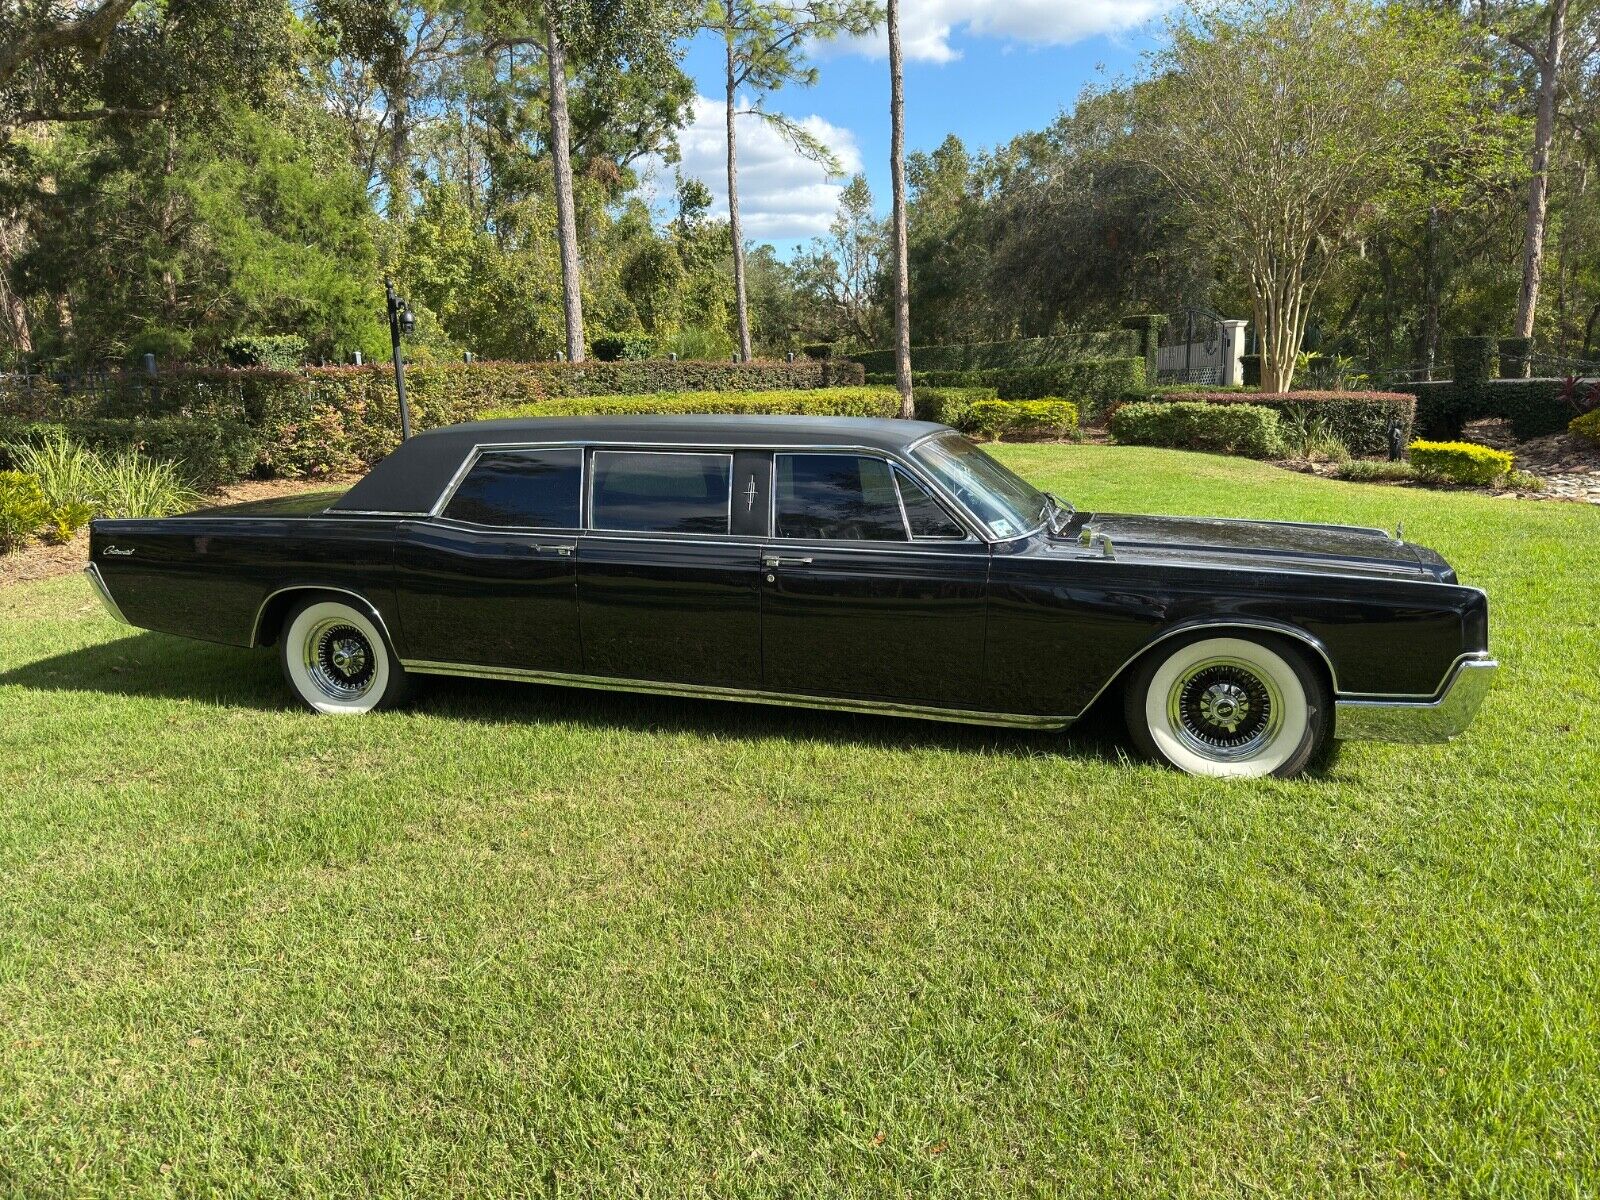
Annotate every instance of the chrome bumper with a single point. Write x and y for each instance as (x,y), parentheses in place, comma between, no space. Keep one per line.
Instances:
(101,590)
(1419,720)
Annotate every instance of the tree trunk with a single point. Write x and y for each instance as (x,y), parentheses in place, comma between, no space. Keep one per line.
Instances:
(1429,349)
(1549,64)
(15,330)
(566,216)
(734,229)
(897,174)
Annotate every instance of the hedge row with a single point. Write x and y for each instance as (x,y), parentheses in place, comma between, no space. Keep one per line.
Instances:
(1248,429)
(1534,407)
(833,402)
(1360,420)
(209,453)
(1000,356)
(1095,384)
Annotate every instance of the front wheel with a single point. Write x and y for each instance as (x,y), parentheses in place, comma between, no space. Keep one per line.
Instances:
(1233,707)
(337,659)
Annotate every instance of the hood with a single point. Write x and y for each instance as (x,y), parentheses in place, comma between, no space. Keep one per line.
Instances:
(1284,544)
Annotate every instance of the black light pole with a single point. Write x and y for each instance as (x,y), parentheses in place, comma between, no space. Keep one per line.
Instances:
(401,321)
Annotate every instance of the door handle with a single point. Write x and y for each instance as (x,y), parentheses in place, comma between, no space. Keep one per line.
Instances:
(564,551)
(778,560)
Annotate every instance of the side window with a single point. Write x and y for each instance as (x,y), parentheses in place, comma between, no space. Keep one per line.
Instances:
(843,497)
(925,515)
(532,489)
(649,492)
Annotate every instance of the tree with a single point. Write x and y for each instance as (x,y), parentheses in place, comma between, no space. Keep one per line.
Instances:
(765,43)
(1288,126)
(842,275)
(897,173)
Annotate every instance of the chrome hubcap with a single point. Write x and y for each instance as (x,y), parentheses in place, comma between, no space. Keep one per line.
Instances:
(1225,709)
(339,659)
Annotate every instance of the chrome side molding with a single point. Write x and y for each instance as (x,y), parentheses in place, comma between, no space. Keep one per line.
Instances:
(1419,721)
(699,692)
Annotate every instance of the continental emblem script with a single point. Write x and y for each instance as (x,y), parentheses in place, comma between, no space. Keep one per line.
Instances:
(117,552)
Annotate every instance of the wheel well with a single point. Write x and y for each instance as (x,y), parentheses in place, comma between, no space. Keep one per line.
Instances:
(1309,647)
(275,609)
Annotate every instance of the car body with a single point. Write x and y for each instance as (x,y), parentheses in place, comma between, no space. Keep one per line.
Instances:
(865,565)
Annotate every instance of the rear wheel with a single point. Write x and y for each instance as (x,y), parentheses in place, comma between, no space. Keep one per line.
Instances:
(337,659)
(1233,707)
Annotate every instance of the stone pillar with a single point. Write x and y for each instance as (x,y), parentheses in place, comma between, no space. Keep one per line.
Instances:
(1233,352)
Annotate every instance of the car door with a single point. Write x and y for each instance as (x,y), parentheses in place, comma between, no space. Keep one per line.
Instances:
(670,566)
(490,581)
(871,587)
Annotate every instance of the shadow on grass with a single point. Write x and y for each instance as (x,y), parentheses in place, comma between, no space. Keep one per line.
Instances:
(156,666)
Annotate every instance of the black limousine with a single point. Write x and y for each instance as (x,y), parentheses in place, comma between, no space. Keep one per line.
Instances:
(872,566)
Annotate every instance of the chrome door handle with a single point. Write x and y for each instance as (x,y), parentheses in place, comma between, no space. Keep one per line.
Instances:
(778,560)
(564,551)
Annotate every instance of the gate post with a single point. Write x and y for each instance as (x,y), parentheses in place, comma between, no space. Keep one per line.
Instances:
(1233,352)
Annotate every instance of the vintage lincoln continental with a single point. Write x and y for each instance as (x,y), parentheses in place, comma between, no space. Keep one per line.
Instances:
(871,566)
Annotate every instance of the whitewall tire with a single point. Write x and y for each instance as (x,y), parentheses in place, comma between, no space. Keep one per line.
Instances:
(1233,706)
(337,659)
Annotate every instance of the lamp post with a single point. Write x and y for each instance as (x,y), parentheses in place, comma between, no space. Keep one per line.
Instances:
(401,321)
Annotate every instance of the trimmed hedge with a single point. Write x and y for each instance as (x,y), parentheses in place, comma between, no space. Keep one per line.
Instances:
(948,406)
(1460,462)
(1094,384)
(1008,355)
(616,347)
(1023,418)
(208,453)
(1248,429)
(833,402)
(1358,419)
(1535,407)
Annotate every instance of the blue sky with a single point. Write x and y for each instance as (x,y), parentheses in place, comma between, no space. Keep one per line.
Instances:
(982,69)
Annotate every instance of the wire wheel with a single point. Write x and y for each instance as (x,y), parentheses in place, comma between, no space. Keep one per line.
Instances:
(1223,709)
(339,659)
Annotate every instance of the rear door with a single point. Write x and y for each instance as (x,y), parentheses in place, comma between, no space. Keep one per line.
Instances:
(491,581)
(670,566)
(871,588)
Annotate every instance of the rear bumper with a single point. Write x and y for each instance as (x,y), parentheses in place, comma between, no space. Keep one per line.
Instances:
(101,590)
(1437,720)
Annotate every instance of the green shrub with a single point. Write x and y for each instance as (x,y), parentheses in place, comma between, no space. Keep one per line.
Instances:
(209,452)
(63,523)
(1246,429)
(1094,385)
(134,485)
(1439,413)
(1358,420)
(280,351)
(1007,355)
(22,509)
(1460,462)
(618,347)
(948,406)
(1375,470)
(1024,418)
(831,402)
(1514,353)
(1521,481)
(1587,426)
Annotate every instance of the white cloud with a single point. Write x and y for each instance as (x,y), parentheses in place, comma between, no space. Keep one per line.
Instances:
(782,195)
(926,26)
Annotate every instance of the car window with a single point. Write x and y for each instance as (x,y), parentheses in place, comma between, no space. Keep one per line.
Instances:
(524,489)
(843,497)
(925,515)
(654,492)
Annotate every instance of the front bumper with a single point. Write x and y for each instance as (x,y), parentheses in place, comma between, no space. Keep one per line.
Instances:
(1437,720)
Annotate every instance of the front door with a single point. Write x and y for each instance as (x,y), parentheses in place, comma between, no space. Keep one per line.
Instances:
(492,581)
(870,587)
(669,571)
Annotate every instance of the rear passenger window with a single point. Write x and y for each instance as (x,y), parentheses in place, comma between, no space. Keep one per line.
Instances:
(522,489)
(842,497)
(649,492)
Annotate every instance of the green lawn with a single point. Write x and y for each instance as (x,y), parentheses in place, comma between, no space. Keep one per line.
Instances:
(529,942)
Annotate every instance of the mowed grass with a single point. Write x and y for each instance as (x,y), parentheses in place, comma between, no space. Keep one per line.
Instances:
(522,941)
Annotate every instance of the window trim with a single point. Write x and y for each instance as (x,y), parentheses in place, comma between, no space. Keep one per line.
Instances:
(896,469)
(587,515)
(976,531)
(437,512)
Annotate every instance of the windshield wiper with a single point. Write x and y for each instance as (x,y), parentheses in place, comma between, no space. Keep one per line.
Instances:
(1062,512)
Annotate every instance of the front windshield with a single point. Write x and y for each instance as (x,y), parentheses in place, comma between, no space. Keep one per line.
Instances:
(1007,505)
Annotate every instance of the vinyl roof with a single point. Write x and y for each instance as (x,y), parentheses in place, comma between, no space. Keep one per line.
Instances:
(413,477)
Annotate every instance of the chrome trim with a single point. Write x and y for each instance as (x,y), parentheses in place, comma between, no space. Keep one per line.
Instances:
(104,592)
(699,692)
(898,473)
(685,451)
(370,607)
(964,516)
(1403,720)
